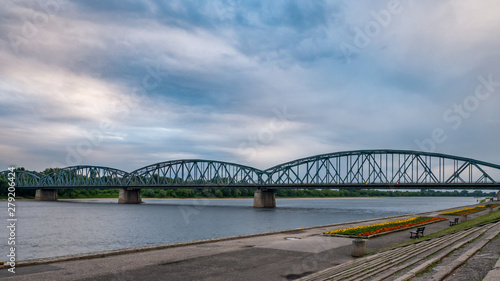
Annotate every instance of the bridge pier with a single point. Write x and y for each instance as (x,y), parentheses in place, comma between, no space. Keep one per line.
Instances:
(46,195)
(129,196)
(264,198)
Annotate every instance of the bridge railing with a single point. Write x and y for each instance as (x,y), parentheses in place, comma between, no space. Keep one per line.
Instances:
(195,173)
(23,178)
(349,168)
(381,167)
(78,176)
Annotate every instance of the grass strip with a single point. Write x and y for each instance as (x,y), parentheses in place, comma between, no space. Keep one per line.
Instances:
(490,217)
(470,210)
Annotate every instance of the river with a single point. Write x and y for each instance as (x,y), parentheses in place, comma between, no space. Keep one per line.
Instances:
(48,229)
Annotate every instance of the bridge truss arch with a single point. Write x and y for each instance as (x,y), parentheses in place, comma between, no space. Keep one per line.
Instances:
(195,173)
(359,168)
(383,168)
(83,176)
(23,178)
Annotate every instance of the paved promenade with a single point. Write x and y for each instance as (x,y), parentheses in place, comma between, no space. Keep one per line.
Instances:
(280,256)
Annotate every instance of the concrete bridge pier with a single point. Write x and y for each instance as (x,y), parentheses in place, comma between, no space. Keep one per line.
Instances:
(46,195)
(498,196)
(129,196)
(264,198)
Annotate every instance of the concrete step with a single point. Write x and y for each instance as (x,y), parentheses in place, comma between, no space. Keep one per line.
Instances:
(382,266)
(373,261)
(365,262)
(419,252)
(422,267)
(478,245)
(437,255)
(494,274)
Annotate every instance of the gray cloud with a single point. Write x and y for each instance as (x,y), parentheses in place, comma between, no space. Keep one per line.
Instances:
(204,79)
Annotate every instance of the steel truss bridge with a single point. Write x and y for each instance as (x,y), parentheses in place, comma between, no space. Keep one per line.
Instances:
(367,169)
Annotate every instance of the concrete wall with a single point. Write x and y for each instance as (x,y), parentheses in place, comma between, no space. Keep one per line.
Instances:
(46,195)
(130,196)
(264,198)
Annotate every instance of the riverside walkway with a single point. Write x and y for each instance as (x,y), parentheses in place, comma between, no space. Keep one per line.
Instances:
(285,255)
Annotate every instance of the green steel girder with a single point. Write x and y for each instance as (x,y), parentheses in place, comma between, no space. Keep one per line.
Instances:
(195,172)
(23,178)
(368,168)
(77,176)
(390,167)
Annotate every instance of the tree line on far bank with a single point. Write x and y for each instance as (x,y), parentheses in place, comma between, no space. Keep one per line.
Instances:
(241,193)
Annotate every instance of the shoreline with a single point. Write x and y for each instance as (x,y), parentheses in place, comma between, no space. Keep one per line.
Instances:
(141,249)
(251,198)
(291,254)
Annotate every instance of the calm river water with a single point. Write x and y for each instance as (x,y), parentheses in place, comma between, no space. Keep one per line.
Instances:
(47,229)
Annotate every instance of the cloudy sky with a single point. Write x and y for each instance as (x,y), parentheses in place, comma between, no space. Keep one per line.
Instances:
(130,83)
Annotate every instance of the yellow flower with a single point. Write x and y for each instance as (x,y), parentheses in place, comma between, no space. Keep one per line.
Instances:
(405,221)
(457,211)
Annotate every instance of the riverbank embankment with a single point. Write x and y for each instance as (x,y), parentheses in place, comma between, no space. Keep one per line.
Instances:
(281,255)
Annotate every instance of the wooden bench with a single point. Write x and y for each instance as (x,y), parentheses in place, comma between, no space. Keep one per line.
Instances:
(419,232)
(454,222)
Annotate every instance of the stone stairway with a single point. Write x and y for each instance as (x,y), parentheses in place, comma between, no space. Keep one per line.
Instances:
(405,262)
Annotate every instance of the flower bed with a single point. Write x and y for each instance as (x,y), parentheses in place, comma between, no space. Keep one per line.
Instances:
(462,211)
(369,230)
(466,211)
